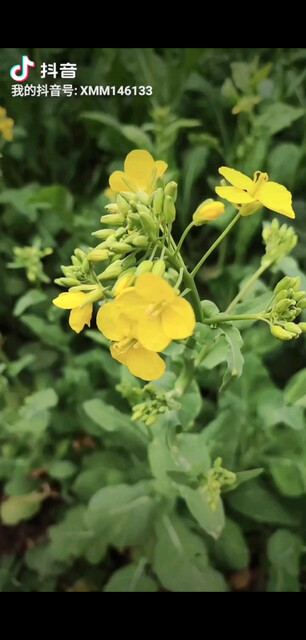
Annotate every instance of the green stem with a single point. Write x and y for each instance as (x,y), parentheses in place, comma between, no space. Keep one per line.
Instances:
(215,244)
(190,226)
(223,317)
(246,287)
(189,283)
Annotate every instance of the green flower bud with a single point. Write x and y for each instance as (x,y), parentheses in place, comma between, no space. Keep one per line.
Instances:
(117,219)
(280,333)
(121,247)
(302,326)
(295,283)
(139,241)
(159,267)
(171,190)
(143,197)
(112,271)
(281,295)
(96,255)
(282,305)
(66,282)
(127,195)
(293,328)
(302,303)
(158,200)
(123,205)
(94,296)
(299,295)
(126,280)
(169,210)
(102,234)
(285,283)
(148,225)
(128,262)
(144,267)
(120,232)
(68,271)
(112,207)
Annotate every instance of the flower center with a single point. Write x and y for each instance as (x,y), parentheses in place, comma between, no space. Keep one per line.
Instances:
(258,180)
(154,310)
(124,345)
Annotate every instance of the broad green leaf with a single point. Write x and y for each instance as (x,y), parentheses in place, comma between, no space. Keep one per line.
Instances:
(256,502)
(278,116)
(19,508)
(32,297)
(289,475)
(284,551)
(50,334)
(231,548)
(295,390)
(283,163)
(212,521)
(131,579)
(62,469)
(235,359)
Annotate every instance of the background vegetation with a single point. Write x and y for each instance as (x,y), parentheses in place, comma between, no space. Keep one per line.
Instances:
(68,449)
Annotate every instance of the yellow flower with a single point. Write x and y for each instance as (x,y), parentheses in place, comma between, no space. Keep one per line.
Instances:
(140,173)
(6,125)
(142,363)
(208,210)
(253,194)
(80,313)
(152,310)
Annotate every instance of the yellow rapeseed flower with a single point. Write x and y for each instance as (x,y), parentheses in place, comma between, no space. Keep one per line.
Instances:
(141,362)
(6,125)
(80,313)
(252,194)
(154,310)
(208,210)
(140,173)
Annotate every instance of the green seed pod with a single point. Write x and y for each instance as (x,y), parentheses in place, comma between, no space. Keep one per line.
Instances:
(117,219)
(158,200)
(159,267)
(293,328)
(98,256)
(302,326)
(148,225)
(281,295)
(285,283)
(102,234)
(111,272)
(171,190)
(121,247)
(169,209)
(123,205)
(139,241)
(280,333)
(144,267)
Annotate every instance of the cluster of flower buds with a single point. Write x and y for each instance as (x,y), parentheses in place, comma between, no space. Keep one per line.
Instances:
(288,303)
(78,273)
(148,403)
(217,479)
(279,241)
(29,258)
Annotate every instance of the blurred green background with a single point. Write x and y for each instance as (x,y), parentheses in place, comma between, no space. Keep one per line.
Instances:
(244,108)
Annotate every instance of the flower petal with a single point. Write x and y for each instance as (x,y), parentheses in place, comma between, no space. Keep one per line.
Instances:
(161,167)
(138,166)
(79,317)
(131,304)
(144,364)
(151,335)
(276,197)
(117,183)
(232,194)
(113,324)
(178,319)
(70,299)
(117,354)
(153,288)
(236,178)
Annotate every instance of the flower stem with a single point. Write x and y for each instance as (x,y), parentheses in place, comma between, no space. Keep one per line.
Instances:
(246,287)
(215,244)
(183,236)
(223,317)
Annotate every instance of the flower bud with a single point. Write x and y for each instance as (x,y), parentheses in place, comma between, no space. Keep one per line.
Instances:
(117,219)
(281,295)
(112,271)
(144,267)
(302,303)
(169,210)
(143,197)
(139,241)
(112,207)
(284,283)
(282,305)
(94,296)
(102,234)
(121,247)
(295,283)
(66,282)
(125,280)
(148,225)
(302,326)
(299,295)
(96,255)
(158,200)
(208,210)
(280,333)
(123,205)
(159,267)
(171,190)
(293,328)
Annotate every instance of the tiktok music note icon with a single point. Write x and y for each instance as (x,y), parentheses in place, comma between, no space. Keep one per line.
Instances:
(20,72)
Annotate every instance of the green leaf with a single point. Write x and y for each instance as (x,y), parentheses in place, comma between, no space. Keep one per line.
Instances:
(61,469)
(278,116)
(106,416)
(50,334)
(283,164)
(131,579)
(235,359)
(284,551)
(231,549)
(212,521)
(124,513)
(295,390)
(256,502)
(289,475)
(181,560)
(19,508)
(32,297)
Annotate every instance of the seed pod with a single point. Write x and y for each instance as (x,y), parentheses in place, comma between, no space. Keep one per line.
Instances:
(280,333)
(123,205)
(169,210)
(144,267)
(117,219)
(171,190)
(285,283)
(158,200)
(293,328)
(159,267)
